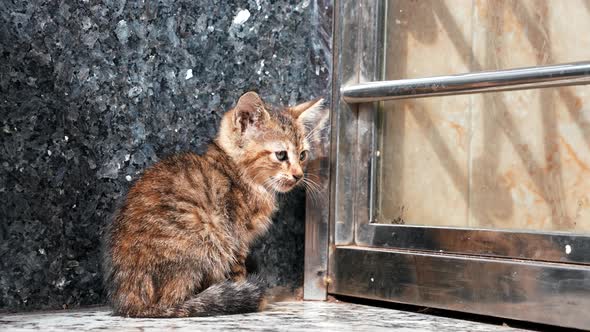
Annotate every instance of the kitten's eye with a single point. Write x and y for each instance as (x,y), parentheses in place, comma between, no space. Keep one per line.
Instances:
(303,155)
(281,155)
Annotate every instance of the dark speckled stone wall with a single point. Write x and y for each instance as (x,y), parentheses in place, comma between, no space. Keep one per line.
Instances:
(92,92)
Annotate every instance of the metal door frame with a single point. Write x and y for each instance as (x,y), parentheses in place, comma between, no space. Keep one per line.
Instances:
(539,277)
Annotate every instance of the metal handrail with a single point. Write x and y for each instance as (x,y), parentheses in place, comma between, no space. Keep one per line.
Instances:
(575,73)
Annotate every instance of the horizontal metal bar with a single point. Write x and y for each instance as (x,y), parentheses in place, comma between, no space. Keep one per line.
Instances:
(550,247)
(549,293)
(576,73)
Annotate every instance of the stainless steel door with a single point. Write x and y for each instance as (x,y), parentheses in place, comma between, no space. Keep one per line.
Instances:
(453,251)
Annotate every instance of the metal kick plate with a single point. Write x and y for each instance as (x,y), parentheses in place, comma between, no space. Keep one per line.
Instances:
(550,293)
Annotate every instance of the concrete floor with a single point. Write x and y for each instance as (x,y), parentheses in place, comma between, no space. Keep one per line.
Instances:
(283,316)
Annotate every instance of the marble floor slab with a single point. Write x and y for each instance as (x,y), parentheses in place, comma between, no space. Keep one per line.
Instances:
(283,316)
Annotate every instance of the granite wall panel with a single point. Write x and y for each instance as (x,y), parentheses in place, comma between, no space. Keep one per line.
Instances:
(93,92)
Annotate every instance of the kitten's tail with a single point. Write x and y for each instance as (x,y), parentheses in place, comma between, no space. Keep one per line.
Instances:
(225,298)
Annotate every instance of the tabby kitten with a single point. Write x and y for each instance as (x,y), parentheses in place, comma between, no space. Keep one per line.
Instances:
(177,247)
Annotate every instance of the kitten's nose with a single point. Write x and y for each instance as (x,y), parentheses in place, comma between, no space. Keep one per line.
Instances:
(297,177)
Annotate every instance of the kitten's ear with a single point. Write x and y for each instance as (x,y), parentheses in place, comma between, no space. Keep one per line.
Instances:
(311,114)
(249,111)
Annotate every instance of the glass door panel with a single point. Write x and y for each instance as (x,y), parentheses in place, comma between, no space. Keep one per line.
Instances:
(510,160)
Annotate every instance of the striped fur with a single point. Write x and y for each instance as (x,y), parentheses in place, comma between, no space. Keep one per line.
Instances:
(177,246)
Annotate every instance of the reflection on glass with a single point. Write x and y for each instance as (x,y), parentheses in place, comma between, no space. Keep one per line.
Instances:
(512,160)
